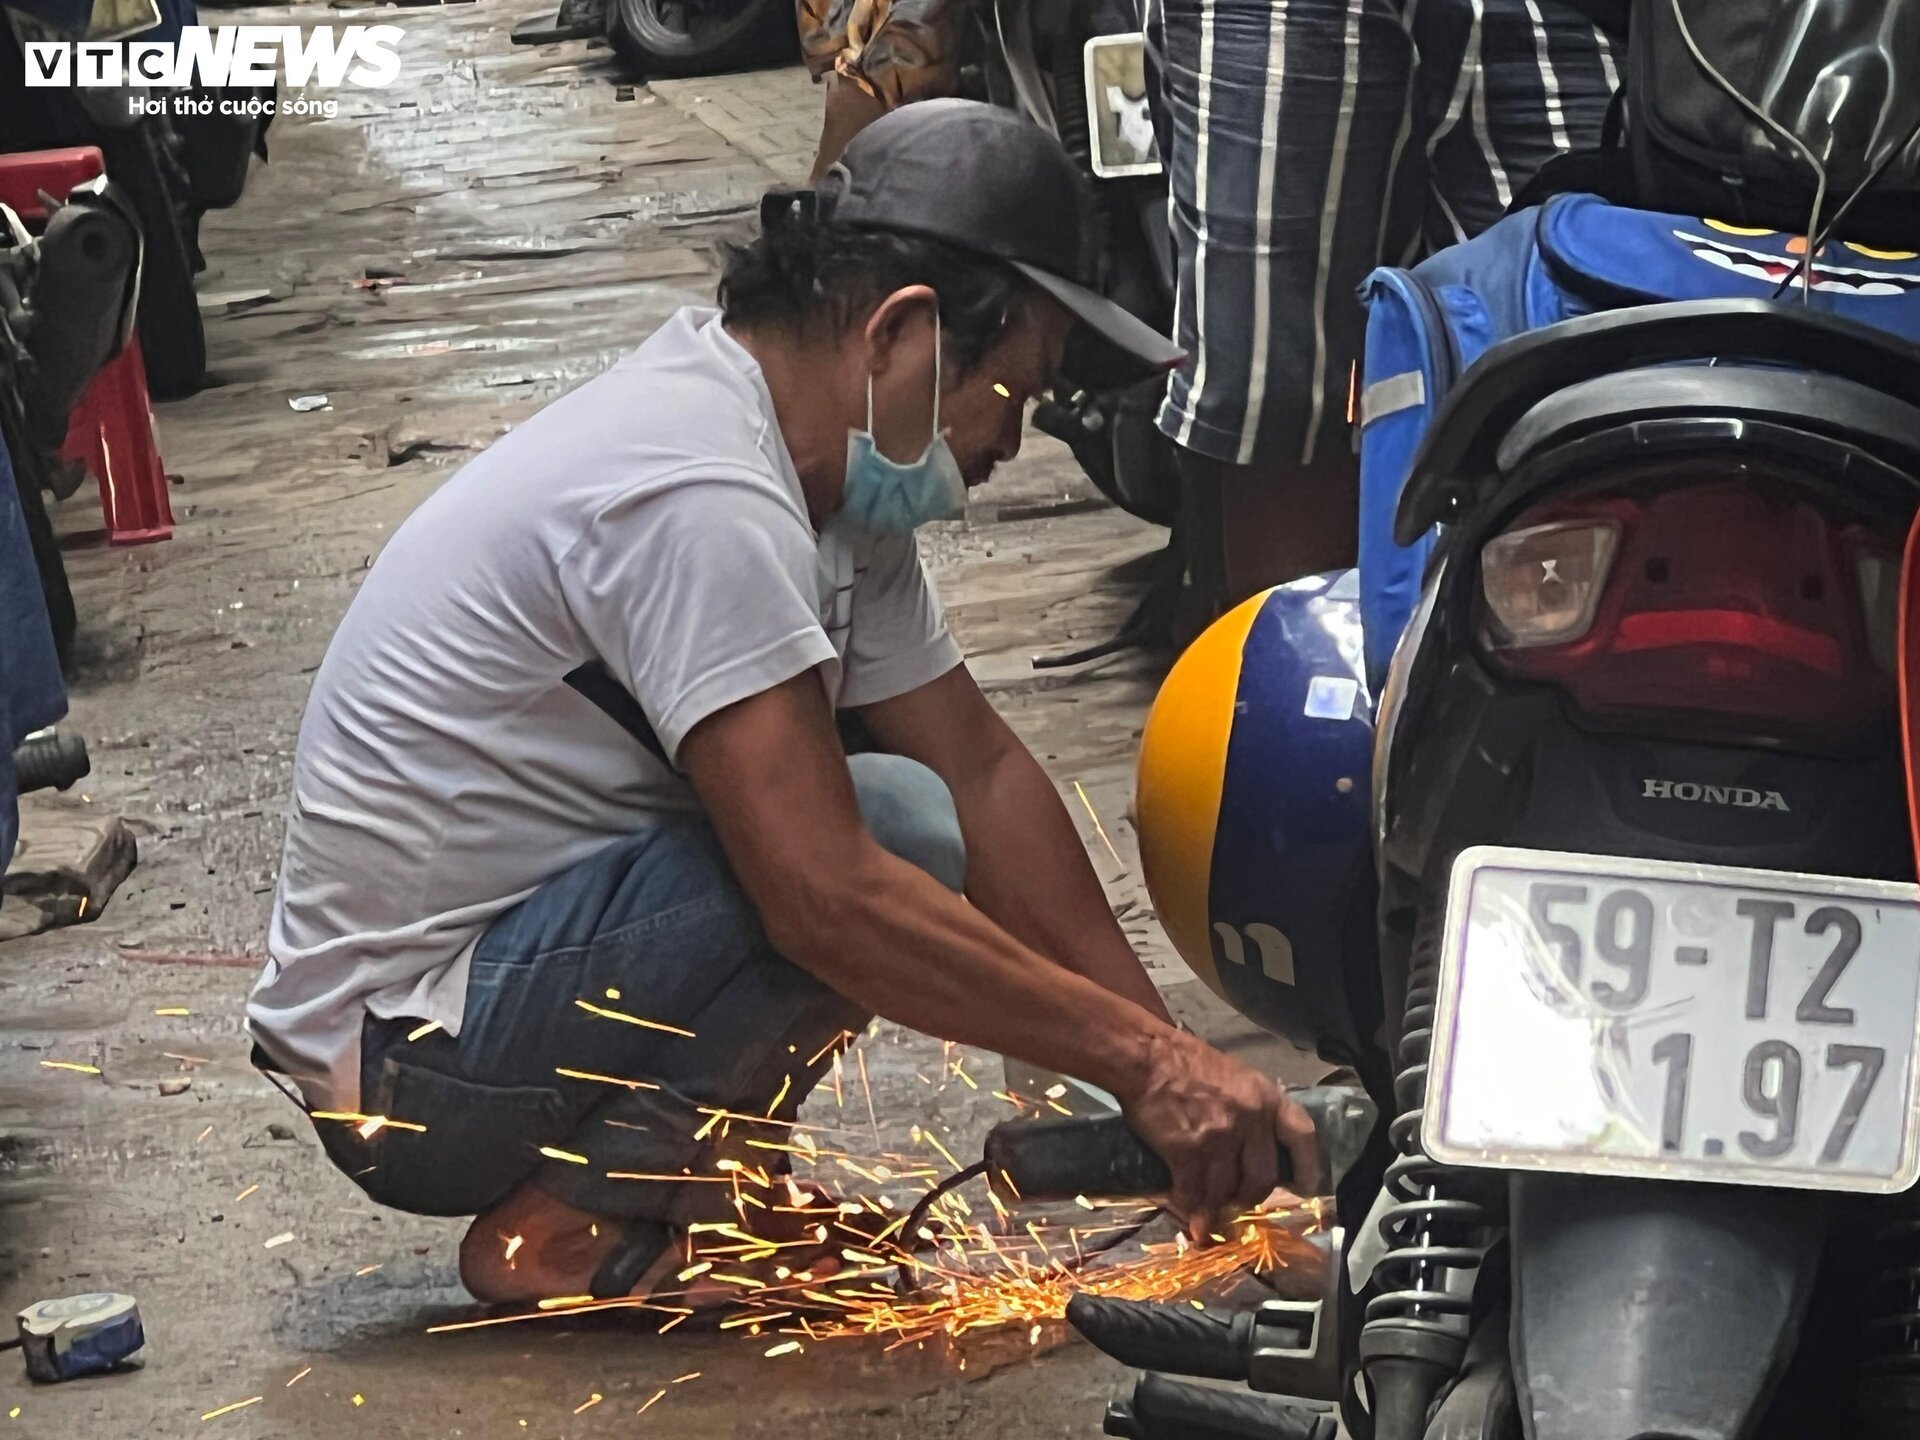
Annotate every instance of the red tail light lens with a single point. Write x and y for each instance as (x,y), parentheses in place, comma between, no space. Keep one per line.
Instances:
(1743,599)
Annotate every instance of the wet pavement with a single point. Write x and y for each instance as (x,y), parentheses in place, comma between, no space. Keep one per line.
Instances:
(437,262)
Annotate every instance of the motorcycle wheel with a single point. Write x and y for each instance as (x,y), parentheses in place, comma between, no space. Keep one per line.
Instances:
(173,341)
(701,37)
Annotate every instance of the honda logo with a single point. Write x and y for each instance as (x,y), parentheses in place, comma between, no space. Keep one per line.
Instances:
(1737,796)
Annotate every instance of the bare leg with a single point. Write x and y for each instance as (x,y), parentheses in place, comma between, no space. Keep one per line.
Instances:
(848,111)
(558,1250)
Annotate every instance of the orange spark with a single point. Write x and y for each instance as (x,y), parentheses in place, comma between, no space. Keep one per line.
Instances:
(621,1015)
(945,1154)
(625,1302)
(229,1409)
(1099,829)
(1020,1292)
(818,1054)
(363,1122)
(604,1079)
(861,1056)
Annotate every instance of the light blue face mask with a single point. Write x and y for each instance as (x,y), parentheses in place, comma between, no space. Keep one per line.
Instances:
(884,497)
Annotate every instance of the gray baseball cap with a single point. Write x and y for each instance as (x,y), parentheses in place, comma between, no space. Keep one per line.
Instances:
(988,180)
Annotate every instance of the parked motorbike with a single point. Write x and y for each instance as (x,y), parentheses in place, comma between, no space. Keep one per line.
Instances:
(1672,849)
(67,305)
(172,170)
(1077,68)
(665,38)
(1625,937)
(1647,953)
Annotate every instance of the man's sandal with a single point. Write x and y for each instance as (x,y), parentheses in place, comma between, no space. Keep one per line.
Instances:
(641,1245)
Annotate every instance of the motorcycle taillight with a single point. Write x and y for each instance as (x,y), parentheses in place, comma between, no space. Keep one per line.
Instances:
(1744,600)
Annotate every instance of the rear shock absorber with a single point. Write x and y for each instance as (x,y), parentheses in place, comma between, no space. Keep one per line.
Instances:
(1415,1333)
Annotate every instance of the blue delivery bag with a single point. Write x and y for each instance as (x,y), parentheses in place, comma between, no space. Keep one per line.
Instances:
(1572,256)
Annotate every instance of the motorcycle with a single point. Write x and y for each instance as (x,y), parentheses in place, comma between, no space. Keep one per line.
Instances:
(1647,933)
(170,169)
(1624,936)
(68,299)
(1670,847)
(666,38)
(1078,69)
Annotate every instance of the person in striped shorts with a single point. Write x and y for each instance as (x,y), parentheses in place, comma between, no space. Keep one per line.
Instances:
(1308,141)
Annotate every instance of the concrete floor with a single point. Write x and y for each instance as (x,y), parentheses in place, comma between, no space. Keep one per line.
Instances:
(527,217)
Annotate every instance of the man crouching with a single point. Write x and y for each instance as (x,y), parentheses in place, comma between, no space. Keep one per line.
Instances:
(576,858)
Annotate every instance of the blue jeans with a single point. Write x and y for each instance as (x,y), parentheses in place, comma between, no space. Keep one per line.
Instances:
(656,927)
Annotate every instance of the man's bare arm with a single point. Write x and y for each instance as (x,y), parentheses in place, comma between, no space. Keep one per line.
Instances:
(876,928)
(1026,864)
(889,937)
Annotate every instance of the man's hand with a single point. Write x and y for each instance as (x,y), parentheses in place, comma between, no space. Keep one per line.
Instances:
(1219,1125)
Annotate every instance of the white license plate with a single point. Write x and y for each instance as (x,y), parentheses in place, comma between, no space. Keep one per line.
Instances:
(1670,1021)
(1119,126)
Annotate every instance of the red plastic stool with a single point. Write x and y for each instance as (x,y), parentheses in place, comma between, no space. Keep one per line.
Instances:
(112,435)
(111,432)
(25,175)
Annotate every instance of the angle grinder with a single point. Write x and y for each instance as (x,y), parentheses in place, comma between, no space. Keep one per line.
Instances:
(1100,1157)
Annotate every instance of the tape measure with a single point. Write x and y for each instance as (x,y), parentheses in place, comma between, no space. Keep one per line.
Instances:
(79,1335)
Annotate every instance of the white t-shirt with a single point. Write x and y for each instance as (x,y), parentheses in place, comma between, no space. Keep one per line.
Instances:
(651,519)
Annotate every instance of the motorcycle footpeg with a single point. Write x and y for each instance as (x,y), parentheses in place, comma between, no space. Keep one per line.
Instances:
(1163,1409)
(1145,1335)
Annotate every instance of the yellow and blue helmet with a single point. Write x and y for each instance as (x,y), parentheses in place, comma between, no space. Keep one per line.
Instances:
(1252,810)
